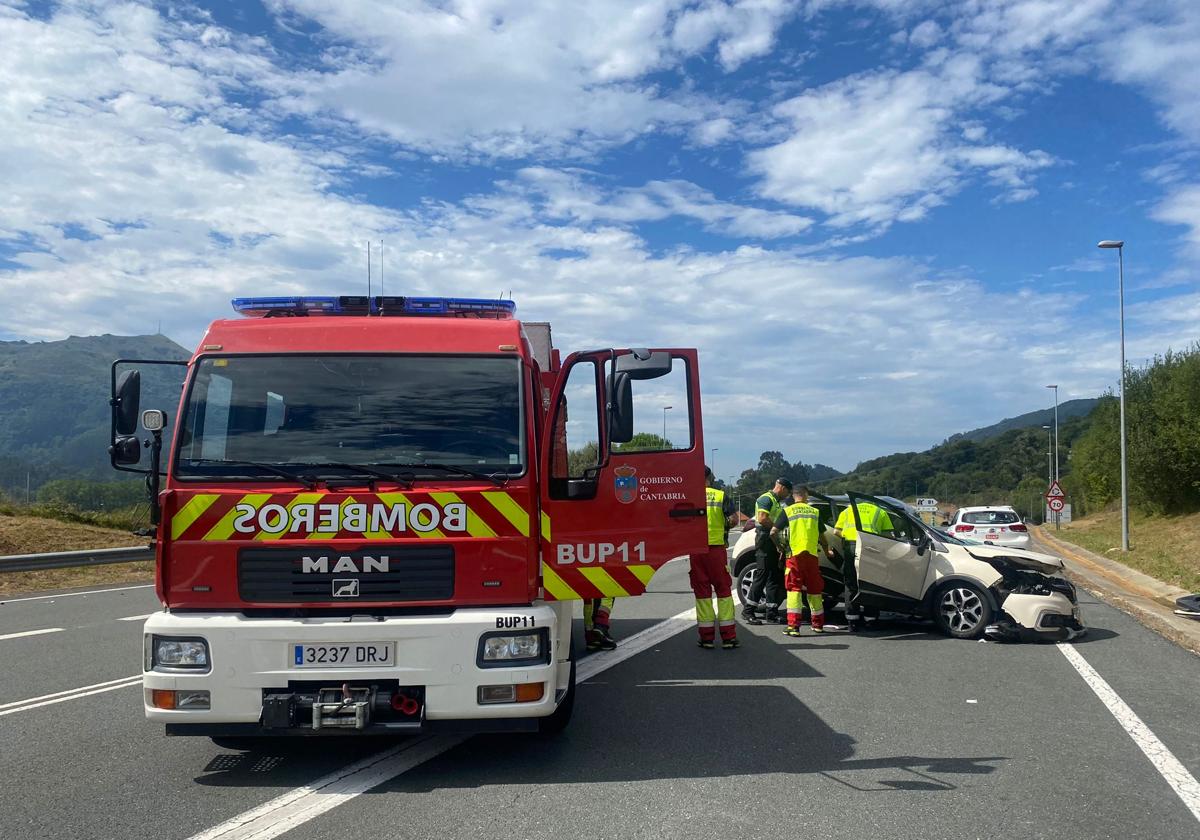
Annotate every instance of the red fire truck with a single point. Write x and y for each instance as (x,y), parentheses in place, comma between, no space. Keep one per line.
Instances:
(374,514)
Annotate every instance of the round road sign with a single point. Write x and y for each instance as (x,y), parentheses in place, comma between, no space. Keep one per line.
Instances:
(1056,505)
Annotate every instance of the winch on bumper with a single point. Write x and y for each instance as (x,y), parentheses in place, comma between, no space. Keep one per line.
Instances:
(1035,607)
(249,675)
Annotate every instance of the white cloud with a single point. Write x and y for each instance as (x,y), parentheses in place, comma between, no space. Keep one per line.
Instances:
(885,146)
(566,195)
(511,78)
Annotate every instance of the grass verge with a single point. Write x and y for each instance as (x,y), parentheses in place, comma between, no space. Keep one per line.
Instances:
(1165,547)
(21,534)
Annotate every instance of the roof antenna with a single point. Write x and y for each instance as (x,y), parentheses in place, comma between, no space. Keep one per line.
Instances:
(368,275)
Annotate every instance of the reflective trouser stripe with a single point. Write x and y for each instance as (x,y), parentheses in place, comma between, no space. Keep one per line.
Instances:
(794,602)
(725,610)
(704,611)
(596,612)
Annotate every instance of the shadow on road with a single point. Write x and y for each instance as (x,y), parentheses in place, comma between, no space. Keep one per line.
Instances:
(672,712)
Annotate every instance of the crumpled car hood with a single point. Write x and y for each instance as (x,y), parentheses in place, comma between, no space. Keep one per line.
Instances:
(1045,563)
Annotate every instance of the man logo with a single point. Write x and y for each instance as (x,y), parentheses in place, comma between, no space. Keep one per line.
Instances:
(345,588)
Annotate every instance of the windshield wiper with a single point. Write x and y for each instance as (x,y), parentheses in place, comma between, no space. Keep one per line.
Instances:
(450,468)
(368,470)
(307,481)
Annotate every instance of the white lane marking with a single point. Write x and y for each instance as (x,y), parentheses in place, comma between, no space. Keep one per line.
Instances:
(4,600)
(298,806)
(30,633)
(1177,776)
(135,617)
(69,694)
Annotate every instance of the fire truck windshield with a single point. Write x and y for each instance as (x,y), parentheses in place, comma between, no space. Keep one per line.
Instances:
(302,411)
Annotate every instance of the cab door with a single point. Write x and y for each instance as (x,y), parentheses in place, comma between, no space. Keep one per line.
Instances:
(622,468)
(892,559)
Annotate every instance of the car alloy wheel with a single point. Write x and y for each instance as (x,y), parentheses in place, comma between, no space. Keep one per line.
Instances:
(746,583)
(962,611)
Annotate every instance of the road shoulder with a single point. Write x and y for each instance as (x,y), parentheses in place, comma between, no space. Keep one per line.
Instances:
(1149,601)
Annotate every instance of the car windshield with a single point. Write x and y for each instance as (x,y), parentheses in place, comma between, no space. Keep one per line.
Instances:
(990,517)
(302,411)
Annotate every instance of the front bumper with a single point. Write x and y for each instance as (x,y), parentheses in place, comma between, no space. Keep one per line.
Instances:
(255,688)
(1027,618)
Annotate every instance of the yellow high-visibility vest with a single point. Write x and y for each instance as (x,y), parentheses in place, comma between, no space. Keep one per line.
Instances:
(874,521)
(804,528)
(716,516)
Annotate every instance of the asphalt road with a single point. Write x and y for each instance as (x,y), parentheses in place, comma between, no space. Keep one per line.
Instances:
(899,733)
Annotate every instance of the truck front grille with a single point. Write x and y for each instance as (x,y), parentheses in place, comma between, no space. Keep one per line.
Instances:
(311,575)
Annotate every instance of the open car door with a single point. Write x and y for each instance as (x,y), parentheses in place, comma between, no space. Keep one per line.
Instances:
(618,498)
(892,559)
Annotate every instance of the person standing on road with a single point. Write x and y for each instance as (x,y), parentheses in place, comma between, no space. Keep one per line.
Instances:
(875,521)
(768,584)
(709,572)
(800,522)
(596,612)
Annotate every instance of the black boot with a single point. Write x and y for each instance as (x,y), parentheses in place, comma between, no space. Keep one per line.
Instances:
(750,617)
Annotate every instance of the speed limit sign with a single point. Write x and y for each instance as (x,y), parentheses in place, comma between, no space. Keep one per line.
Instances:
(1056,504)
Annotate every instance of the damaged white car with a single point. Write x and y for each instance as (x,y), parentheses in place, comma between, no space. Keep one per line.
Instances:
(968,588)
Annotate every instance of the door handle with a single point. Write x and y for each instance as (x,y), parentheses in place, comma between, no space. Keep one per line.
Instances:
(677,513)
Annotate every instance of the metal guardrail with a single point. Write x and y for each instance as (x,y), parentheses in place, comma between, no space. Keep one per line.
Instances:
(69,559)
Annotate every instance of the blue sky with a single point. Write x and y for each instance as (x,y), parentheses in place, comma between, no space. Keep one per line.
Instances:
(876,220)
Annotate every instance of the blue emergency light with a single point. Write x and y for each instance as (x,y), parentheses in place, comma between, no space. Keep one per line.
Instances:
(265,307)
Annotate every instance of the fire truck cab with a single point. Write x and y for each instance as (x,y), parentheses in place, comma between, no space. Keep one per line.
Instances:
(374,514)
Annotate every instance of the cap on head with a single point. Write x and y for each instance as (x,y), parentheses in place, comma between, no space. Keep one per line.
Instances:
(784,483)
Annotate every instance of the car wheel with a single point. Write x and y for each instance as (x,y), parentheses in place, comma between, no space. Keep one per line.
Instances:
(962,610)
(745,582)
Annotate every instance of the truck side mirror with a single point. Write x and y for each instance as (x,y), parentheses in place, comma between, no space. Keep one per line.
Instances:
(642,364)
(125,449)
(620,428)
(126,400)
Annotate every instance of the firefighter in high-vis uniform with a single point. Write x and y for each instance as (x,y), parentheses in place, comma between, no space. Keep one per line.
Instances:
(768,584)
(709,572)
(801,523)
(596,612)
(875,520)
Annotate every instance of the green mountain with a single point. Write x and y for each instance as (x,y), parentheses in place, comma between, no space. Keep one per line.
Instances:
(54,412)
(1032,420)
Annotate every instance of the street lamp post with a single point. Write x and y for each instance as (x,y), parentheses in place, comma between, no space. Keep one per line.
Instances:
(1049,462)
(1119,244)
(712,459)
(1057,515)
(666,408)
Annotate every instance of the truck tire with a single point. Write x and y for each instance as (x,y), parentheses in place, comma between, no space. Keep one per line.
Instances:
(557,721)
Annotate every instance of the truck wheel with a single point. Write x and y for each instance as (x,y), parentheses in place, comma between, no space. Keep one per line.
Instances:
(556,722)
(961,610)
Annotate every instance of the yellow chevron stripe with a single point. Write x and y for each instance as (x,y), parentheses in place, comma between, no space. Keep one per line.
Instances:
(400,498)
(301,498)
(545,526)
(508,507)
(642,573)
(223,530)
(603,581)
(476,527)
(556,586)
(190,512)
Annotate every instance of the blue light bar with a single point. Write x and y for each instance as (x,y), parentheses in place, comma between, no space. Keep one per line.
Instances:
(445,307)
(263,306)
(439,307)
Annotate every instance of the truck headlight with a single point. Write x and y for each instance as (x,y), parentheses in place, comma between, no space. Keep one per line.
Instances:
(498,650)
(184,654)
